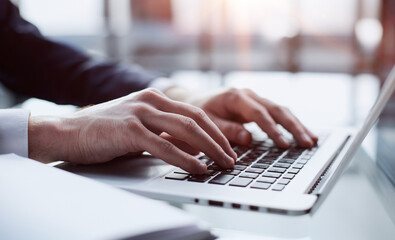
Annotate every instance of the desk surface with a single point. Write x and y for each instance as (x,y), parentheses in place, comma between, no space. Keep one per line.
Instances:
(362,203)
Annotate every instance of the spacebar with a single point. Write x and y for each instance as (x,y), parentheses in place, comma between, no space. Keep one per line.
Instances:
(221,179)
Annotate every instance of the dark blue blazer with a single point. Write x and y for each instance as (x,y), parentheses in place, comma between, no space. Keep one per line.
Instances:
(35,66)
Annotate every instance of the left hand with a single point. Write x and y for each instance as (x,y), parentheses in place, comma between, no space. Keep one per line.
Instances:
(233,107)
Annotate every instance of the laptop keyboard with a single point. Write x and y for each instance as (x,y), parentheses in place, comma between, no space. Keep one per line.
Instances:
(260,165)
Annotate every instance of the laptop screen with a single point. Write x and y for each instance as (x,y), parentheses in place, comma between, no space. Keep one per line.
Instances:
(385,154)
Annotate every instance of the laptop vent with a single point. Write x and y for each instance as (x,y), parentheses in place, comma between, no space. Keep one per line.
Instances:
(319,180)
(317,185)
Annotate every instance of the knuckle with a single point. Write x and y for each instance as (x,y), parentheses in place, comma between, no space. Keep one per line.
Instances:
(247,91)
(278,109)
(189,124)
(141,109)
(258,113)
(135,128)
(133,124)
(148,95)
(232,94)
(166,147)
(199,114)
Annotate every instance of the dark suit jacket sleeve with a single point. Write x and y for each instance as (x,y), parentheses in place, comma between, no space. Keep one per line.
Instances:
(35,66)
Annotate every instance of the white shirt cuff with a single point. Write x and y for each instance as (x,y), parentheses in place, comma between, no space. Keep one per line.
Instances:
(13,131)
(162,84)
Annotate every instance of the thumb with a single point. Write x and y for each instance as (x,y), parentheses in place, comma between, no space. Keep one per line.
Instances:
(233,131)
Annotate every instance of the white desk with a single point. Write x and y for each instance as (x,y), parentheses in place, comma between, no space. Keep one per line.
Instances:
(357,208)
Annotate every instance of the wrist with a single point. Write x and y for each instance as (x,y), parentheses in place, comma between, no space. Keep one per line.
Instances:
(44,139)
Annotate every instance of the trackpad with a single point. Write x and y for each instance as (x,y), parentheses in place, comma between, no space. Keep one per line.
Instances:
(121,171)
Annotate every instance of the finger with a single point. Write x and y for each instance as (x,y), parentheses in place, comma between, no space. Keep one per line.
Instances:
(312,135)
(284,117)
(180,144)
(291,123)
(169,153)
(233,131)
(201,118)
(187,130)
(251,110)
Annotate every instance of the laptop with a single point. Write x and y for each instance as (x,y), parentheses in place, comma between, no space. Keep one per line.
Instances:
(293,181)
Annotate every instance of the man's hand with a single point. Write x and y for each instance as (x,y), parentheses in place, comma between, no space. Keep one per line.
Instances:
(142,121)
(231,108)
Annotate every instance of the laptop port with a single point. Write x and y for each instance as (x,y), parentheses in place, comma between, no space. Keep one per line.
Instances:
(215,203)
(236,205)
(254,208)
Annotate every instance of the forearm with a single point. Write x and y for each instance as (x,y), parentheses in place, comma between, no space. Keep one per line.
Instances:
(58,72)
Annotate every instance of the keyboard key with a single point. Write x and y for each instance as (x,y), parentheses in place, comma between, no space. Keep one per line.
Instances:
(267,179)
(240,150)
(239,167)
(181,171)
(277,170)
(221,179)
(296,150)
(243,163)
(231,172)
(273,158)
(255,170)
(282,165)
(214,167)
(249,175)
(291,156)
(199,178)
(177,176)
(261,149)
(206,160)
(293,170)
(283,181)
(260,185)
(266,161)
(260,165)
(298,166)
(240,182)
(277,150)
(271,174)
(289,176)
(253,155)
(286,160)
(302,161)
(278,187)
(211,172)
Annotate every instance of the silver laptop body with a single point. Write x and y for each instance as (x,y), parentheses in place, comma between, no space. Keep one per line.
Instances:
(302,194)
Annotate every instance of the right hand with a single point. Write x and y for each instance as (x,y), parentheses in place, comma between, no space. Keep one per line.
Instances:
(142,121)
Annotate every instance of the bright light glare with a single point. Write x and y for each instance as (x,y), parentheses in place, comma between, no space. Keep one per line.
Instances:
(369,32)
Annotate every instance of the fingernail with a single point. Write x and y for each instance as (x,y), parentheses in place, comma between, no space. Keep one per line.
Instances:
(242,137)
(234,156)
(284,142)
(203,167)
(229,162)
(307,139)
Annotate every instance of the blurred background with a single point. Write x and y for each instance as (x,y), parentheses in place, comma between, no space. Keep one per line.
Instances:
(347,36)
(218,38)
